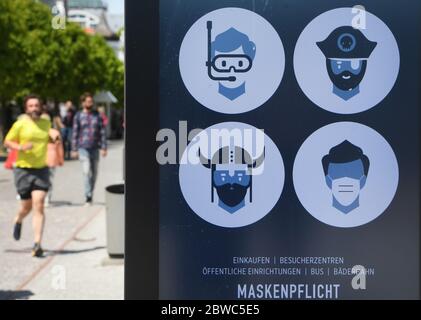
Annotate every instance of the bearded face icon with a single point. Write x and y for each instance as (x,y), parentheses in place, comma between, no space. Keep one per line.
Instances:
(347,51)
(232,176)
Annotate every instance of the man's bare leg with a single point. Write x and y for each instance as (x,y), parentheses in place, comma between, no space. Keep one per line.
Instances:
(38,198)
(24,210)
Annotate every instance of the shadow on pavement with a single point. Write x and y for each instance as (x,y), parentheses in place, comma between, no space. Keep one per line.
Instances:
(54,204)
(77,239)
(15,295)
(24,250)
(55,252)
(65,252)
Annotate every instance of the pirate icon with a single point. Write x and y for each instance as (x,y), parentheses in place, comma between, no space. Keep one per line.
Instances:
(346,50)
(232,176)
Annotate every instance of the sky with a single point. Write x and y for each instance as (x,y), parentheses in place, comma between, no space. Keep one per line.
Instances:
(115,6)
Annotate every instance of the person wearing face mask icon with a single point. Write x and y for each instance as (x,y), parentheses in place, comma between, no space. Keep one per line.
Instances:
(346,169)
(346,50)
(230,57)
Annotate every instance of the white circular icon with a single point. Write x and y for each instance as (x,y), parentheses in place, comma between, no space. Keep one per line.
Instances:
(346,61)
(345,174)
(231,174)
(232,60)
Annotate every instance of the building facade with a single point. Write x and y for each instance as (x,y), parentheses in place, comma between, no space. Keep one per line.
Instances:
(93,17)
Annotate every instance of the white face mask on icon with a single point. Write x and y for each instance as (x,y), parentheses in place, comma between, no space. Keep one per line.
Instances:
(346,178)
(346,190)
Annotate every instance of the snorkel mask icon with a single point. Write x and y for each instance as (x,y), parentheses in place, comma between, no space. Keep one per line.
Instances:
(224,63)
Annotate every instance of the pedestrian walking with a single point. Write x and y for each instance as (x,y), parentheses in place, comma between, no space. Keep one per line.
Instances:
(54,149)
(89,140)
(103,115)
(30,135)
(67,130)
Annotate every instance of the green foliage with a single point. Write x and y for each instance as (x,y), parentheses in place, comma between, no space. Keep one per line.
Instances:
(57,64)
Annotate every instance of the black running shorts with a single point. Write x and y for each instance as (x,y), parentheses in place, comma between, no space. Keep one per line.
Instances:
(28,180)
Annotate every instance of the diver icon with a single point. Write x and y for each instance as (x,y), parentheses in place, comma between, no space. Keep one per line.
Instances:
(231,56)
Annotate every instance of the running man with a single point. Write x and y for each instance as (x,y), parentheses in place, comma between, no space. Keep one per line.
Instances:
(30,135)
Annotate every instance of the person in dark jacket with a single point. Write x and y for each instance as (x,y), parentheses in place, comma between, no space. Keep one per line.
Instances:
(88,141)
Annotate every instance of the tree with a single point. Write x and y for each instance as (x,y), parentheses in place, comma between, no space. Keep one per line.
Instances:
(16,26)
(72,62)
(57,64)
(67,62)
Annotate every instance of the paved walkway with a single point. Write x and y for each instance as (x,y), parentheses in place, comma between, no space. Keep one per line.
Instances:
(76,265)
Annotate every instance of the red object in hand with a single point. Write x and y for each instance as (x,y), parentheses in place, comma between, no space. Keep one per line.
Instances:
(55,154)
(12,157)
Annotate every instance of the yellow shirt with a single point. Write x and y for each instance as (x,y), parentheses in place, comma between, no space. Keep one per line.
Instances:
(24,131)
